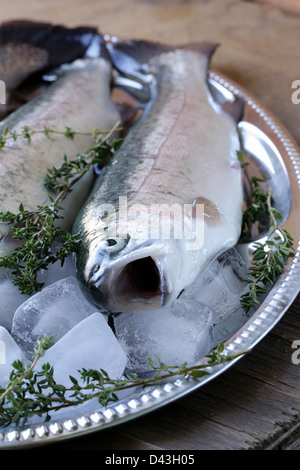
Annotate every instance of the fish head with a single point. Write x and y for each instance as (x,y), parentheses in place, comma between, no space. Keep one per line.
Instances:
(144,257)
(132,270)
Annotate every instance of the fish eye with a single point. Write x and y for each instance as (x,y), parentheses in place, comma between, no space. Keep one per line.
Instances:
(114,245)
(111,242)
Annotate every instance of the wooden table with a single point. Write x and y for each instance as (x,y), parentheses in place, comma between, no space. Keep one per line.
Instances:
(256,404)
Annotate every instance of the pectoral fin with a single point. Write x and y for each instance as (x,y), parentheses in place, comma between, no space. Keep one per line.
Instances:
(212,215)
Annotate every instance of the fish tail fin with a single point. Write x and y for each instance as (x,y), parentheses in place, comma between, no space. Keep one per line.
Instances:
(140,51)
(206,48)
(131,58)
(132,55)
(62,44)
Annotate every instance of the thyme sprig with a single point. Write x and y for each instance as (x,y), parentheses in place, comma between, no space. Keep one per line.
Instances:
(269,256)
(38,231)
(256,197)
(30,392)
(258,209)
(38,237)
(15,388)
(27,133)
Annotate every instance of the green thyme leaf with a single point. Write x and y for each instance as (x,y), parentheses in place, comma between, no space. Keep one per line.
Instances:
(269,256)
(38,231)
(30,392)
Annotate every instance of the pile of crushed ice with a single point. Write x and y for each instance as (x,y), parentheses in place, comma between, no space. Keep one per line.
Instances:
(204,314)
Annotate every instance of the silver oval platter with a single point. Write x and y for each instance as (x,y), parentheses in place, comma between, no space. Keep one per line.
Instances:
(276,157)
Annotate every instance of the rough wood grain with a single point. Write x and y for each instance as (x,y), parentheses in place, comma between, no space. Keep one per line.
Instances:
(288,6)
(259,45)
(257,402)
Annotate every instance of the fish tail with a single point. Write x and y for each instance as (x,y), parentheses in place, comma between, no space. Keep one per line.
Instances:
(132,57)
(206,48)
(61,44)
(141,52)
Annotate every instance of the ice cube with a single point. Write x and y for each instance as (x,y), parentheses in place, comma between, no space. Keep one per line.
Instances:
(91,344)
(9,352)
(223,330)
(53,311)
(10,299)
(177,334)
(220,285)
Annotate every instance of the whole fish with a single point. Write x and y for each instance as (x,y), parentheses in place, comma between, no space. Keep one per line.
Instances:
(79,99)
(177,167)
(29,47)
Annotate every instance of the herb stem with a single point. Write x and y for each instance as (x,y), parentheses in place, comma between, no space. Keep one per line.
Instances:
(121,385)
(181,371)
(96,384)
(268,257)
(27,133)
(37,230)
(89,158)
(42,345)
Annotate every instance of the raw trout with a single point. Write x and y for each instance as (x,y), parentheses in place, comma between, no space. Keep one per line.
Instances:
(176,168)
(80,99)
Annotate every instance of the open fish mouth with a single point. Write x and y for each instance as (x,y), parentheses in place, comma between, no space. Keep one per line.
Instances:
(137,283)
(135,280)
(142,277)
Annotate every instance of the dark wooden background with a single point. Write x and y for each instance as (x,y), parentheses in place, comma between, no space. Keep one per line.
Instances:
(256,404)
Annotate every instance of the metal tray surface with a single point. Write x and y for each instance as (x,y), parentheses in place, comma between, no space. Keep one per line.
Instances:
(277,159)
